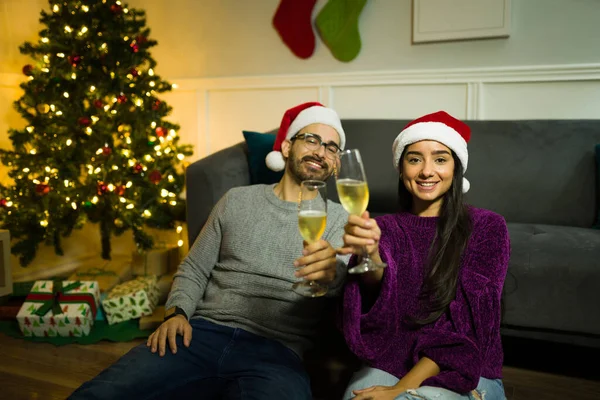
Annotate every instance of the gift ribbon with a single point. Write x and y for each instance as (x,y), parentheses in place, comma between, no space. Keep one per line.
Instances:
(51,301)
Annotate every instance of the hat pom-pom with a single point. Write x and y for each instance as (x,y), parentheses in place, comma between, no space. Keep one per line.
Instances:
(275,161)
(466,185)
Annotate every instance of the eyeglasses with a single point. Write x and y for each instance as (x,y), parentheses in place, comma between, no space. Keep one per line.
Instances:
(314,142)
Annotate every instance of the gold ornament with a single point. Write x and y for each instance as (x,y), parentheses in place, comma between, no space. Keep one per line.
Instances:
(43,108)
(118,223)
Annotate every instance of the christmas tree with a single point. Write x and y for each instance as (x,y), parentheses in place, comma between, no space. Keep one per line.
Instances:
(96,146)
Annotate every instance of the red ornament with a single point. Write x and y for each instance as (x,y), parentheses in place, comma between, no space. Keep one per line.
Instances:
(138,168)
(134,72)
(116,9)
(106,151)
(28,70)
(155,177)
(160,131)
(84,121)
(101,188)
(74,60)
(134,47)
(120,190)
(98,103)
(3,203)
(42,189)
(156,105)
(121,98)
(141,39)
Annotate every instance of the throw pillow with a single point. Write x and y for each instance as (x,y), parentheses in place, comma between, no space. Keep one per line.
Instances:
(259,145)
(597,226)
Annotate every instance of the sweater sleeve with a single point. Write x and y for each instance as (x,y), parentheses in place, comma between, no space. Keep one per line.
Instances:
(191,278)
(367,332)
(460,338)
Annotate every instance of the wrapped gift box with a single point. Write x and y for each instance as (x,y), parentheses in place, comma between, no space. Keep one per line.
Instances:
(159,261)
(153,321)
(164,287)
(59,308)
(132,299)
(108,275)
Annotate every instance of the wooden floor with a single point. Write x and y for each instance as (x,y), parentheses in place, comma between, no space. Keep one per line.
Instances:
(44,371)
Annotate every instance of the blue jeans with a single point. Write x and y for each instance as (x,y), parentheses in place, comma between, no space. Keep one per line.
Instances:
(488,389)
(221,363)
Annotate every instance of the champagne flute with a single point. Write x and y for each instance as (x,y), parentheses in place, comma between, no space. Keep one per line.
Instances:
(312,219)
(353,191)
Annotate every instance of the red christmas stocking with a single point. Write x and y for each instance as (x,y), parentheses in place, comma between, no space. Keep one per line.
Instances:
(292,21)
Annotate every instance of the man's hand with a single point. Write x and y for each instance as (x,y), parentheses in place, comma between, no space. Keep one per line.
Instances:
(317,263)
(169,330)
(378,393)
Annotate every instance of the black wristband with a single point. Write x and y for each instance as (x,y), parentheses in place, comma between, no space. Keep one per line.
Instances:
(178,311)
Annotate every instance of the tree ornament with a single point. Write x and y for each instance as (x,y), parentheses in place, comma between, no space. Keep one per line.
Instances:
(98,103)
(87,204)
(120,190)
(156,105)
(118,222)
(42,189)
(3,203)
(43,108)
(134,72)
(106,151)
(138,168)
(134,47)
(155,177)
(101,188)
(28,70)
(141,39)
(116,9)
(121,98)
(84,121)
(74,60)
(160,131)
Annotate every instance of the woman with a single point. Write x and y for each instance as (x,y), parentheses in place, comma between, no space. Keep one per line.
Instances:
(428,325)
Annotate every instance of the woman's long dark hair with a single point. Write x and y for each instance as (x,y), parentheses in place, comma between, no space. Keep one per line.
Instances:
(452,234)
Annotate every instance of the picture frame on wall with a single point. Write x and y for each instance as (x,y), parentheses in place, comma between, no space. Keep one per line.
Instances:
(450,20)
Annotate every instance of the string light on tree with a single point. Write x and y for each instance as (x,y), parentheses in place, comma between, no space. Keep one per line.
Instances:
(87,107)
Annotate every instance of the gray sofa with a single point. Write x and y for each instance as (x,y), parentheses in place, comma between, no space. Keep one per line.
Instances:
(540,175)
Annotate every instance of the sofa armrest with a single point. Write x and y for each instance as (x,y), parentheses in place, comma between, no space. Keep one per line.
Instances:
(208,179)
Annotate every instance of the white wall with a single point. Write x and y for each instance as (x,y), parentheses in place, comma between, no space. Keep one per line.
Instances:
(210,38)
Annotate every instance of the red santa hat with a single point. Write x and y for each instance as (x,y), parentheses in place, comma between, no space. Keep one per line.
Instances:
(441,127)
(297,118)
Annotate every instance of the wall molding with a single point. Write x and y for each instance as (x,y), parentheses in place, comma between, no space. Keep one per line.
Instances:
(535,73)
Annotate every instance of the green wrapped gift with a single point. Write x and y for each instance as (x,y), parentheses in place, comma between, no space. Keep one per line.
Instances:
(131,299)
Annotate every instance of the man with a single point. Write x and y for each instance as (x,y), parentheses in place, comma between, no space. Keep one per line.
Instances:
(234,328)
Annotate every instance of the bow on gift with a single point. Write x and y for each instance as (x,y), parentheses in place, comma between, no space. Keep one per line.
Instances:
(51,301)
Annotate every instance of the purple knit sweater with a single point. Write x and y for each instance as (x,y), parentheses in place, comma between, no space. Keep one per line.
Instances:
(465,341)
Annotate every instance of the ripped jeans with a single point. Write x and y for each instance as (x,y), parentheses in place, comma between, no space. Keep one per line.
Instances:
(487,389)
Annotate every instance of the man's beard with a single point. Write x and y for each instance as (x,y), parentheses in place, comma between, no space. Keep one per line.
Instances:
(300,172)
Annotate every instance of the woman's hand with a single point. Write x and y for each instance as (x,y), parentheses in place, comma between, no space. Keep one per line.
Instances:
(359,232)
(378,393)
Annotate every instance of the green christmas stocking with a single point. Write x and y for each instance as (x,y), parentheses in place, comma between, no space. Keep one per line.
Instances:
(337,24)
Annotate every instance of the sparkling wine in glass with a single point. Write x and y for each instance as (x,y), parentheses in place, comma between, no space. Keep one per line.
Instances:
(353,192)
(312,220)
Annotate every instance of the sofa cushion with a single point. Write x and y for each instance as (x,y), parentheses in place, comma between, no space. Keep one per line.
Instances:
(552,280)
(259,145)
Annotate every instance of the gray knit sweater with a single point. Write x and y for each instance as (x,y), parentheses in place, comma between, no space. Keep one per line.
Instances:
(239,271)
